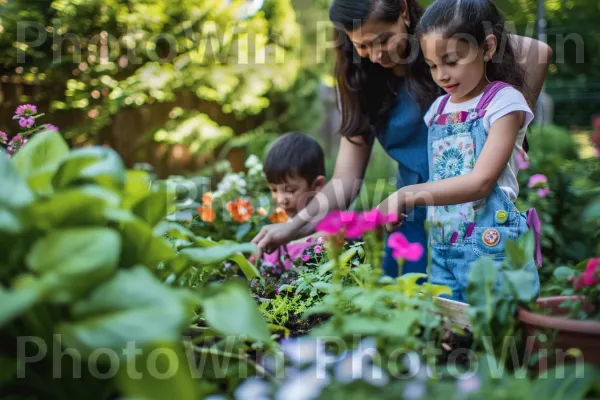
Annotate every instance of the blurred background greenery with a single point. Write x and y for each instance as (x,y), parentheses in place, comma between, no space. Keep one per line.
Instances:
(182,84)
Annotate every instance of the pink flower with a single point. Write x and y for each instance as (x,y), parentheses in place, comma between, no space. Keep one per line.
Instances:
(3,138)
(318,249)
(543,192)
(402,248)
(26,122)
(597,122)
(537,180)
(25,110)
(522,160)
(597,151)
(591,275)
(337,221)
(305,257)
(321,240)
(374,218)
(51,127)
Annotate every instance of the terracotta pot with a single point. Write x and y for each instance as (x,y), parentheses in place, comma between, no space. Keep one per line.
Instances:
(570,333)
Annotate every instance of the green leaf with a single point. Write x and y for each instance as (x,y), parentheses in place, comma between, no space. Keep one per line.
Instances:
(567,381)
(164,373)
(9,222)
(522,283)
(15,302)
(592,211)
(246,266)
(132,306)
(72,261)
(137,186)
(42,154)
(152,208)
(91,165)
(345,257)
(141,246)
(242,231)
(482,277)
(563,273)
(15,192)
(217,254)
(72,207)
(229,309)
(172,229)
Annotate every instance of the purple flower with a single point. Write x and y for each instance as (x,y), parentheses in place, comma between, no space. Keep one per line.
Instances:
(318,249)
(543,192)
(321,240)
(305,257)
(522,160)
(3,138)
(25,110)
(26,122)
(537,181)
(51,127)
(402,248)
(16,143)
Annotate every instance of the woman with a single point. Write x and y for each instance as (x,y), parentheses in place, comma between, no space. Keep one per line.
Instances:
(376,44)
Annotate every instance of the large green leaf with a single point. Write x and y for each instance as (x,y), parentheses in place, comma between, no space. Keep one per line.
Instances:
(14,192)
(72,207)
(164,373)
(41,155)
(132,306)
(137,186)
(246,266)
(14,302)
(91,165)
(482,277)
(592,212)
(141,246)
(72,261)
(153,208)
(172,229)
(229,309)
(9,222)
(522,283)
(217,254)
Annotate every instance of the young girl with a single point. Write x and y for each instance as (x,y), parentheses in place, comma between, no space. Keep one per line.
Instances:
(475,132)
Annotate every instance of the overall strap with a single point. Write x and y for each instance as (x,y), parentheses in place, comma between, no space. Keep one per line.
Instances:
(488,94)
(442,105)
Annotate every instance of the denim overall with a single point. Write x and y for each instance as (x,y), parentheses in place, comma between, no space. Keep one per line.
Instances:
(462,233)
(405,140)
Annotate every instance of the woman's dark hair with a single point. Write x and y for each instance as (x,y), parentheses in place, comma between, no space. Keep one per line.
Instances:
(474,20)
(367,90)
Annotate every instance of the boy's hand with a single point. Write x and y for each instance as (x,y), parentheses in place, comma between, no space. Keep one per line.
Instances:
(272,236)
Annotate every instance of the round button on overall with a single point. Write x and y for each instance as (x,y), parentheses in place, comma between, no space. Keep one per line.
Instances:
(490,237)
(501,216)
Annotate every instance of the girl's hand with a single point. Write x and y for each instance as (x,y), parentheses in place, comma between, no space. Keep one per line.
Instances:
(393,204)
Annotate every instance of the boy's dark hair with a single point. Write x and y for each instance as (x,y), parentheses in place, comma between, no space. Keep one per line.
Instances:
(294,154)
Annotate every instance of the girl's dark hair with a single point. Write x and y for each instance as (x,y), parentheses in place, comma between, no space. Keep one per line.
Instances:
(474,20)
(367,90)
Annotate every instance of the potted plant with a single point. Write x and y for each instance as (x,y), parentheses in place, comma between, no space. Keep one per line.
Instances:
(571,320)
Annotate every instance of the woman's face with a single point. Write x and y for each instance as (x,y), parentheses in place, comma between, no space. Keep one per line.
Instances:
(383,43)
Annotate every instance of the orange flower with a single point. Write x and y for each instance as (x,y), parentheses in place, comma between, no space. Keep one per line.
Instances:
(207,198)
(240,210)
(261,211)
(207,214)
(278,216)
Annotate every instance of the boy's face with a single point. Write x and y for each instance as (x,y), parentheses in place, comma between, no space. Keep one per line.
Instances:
(295,193)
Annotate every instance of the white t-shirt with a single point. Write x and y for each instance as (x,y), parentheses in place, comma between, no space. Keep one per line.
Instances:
(507,100)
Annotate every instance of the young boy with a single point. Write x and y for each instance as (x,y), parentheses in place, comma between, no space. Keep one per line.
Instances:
(295,171)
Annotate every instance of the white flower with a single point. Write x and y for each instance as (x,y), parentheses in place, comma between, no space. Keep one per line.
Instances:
(252,161)
(252,389)
(414,390)
(306,385)
(303,350)
(359,365)
(468,383)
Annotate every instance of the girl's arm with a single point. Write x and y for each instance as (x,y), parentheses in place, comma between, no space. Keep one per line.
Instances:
(535,56)
(465,188)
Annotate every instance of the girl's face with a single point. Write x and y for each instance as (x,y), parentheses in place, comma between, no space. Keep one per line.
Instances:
(456,65)
(382,42)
